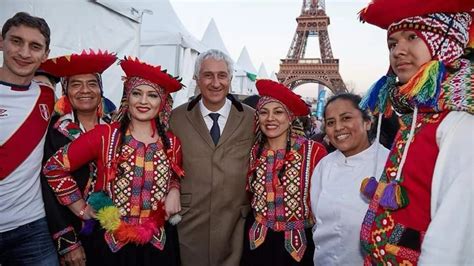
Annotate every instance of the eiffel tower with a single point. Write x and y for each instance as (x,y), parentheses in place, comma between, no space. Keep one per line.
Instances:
(296,70)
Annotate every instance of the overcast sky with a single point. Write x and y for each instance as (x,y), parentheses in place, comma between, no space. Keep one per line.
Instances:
(266,28)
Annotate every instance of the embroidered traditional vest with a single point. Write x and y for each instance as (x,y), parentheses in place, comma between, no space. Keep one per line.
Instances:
(141,182)
(283,205)
(395,237)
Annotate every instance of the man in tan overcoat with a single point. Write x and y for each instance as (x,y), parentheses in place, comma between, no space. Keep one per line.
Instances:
(216,133)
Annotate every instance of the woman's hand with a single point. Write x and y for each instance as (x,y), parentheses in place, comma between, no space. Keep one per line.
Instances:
(82,210)
(172,203)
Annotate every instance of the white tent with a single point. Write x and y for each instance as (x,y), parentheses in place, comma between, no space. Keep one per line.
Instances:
(212,38)
(262,72)
(81,24)
(245,74)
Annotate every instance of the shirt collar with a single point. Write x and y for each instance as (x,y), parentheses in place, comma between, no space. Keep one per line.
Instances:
(224,111)
(71,118)
(359,158)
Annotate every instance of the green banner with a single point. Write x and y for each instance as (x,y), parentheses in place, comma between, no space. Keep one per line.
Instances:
(251,76)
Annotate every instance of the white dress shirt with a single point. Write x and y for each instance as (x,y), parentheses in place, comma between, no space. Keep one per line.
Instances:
(223,114)
(338,205)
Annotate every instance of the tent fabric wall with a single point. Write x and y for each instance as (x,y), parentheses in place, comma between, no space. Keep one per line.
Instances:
(162,26)
(80,24)
(187,70)
(164,55)
(165,41)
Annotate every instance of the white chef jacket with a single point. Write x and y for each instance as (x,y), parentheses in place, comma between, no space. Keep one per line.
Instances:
(338,205)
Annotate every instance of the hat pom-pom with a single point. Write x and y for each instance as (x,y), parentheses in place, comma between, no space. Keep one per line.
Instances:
(99,200)
(394,197)
(87,227)
(63,106)
(368,187)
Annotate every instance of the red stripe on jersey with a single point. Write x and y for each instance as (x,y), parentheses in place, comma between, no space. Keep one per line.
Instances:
(20,145)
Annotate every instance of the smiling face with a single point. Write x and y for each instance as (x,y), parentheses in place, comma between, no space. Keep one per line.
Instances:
(214,83)
(408,53)
(83,92)
(345,127)
(274,121)
(24,49)
(143,103)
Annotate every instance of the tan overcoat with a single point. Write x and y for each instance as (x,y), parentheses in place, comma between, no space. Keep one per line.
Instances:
(213,196)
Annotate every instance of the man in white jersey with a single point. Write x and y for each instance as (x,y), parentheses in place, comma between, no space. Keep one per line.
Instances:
(25,110)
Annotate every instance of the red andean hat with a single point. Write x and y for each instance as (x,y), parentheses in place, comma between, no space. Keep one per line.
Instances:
(76,64)
(383,13)
(278,91)
(135,68)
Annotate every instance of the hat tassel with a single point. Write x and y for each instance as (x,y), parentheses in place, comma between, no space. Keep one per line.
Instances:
(368,187)
(394,196)
(425,85)
(376,98)
(87,227)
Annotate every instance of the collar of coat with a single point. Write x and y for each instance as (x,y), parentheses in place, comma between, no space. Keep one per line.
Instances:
(235,102)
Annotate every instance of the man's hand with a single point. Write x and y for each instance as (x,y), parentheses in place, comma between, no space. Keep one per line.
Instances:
(75,257)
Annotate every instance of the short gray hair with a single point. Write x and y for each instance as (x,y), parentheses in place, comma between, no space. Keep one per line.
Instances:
(216,55)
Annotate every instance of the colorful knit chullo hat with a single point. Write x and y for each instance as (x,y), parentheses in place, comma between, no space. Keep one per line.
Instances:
(443,25)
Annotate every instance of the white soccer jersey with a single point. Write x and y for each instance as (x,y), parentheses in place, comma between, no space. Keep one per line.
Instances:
(24,119)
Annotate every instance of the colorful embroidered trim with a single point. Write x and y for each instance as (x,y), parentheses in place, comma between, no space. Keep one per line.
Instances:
(295,243)
(66,240)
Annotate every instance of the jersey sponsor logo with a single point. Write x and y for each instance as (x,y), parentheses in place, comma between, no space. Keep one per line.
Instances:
(3,112)
(44,110)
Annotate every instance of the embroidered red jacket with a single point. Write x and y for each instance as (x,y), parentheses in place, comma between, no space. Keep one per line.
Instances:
(135,176)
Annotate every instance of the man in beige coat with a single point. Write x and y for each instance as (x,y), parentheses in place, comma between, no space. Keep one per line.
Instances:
(216,133)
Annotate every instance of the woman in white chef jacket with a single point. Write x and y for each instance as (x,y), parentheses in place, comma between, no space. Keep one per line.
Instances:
(336,201)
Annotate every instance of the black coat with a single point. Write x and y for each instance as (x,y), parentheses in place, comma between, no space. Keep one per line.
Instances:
(60,219)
